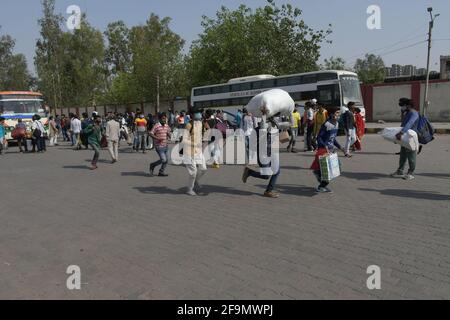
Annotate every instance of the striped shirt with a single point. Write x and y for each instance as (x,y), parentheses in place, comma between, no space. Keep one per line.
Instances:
(161,132)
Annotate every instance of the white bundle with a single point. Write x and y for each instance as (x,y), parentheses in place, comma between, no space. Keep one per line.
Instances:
(272,102)
(409,139)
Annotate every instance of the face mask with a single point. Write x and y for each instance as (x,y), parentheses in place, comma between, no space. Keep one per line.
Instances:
(163,122)
(404,108)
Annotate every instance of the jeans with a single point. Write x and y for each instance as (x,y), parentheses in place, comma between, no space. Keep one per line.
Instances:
(309,137)
(293,132)
(272,182)
(411,156)
(351,139)
(163,153)
(141,141)
(96,154)
(22,142)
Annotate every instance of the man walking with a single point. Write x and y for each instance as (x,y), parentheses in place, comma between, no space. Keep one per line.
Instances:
(161,134)
(194,158)
(112,134)
(348,119)
(75,129)
(410,122)
(295,121)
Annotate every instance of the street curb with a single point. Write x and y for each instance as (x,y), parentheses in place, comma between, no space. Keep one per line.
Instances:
(377,130)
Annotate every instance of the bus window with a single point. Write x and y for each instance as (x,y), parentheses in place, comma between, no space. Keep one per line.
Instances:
(197,92)
(283,82)
(310,78)
(308,95)
(292,81)
(246,86)
(351,90)
(327,76)
(257,85)
(329,95)
(268,84)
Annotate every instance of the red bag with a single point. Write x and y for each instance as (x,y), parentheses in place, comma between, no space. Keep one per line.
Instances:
(104,142)
(18,133)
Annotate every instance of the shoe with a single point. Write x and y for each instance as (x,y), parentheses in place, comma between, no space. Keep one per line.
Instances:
(327,190)
(348,155)
(420,149)
(191,193)
(94,167)
(114,161)
(288,149)
(294,151)
(245,175)
(408,177)
(216,166)
(397,174)
(152,169)
(321,190)
(163,175)
(271,194)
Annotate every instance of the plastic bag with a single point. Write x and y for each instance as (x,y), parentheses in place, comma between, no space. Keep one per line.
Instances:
(329,167)
(409,139)
(275,101)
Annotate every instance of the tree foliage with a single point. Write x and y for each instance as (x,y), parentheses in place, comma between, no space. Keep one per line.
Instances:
(371,69)
(334,63)
(14,73)
(245,42)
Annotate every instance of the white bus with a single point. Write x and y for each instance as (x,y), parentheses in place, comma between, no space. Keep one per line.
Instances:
(331,88)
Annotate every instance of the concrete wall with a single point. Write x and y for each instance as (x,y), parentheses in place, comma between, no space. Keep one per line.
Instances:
(381,100)
(439,96)
(385,101)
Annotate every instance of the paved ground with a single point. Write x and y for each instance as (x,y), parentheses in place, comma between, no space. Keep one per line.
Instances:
(136,237)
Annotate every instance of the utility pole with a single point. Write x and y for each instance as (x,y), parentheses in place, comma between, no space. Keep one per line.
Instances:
(157,94)
(426,102)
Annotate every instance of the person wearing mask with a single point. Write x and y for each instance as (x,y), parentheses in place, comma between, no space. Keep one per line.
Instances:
(140,130)
(22,138)
(112,134)
(193,156)
(348,119)
(410,122)
(94,136)
(53,132)
(295,123)
(161,134)
(2,135)
(267,161)
(326,144)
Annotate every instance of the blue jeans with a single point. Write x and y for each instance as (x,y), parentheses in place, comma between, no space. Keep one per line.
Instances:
(272,182)
(163,153)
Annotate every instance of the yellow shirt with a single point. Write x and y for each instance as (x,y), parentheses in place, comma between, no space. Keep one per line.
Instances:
(296,119)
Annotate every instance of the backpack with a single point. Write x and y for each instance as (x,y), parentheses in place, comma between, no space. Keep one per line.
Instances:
(425,131)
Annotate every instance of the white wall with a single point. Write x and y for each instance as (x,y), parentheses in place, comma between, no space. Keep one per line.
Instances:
(439,96)
(385,102)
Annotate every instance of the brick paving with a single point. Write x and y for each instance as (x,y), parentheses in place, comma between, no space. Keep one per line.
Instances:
(136,237)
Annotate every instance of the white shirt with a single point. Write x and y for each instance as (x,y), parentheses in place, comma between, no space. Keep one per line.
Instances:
(75,125)
(38,125)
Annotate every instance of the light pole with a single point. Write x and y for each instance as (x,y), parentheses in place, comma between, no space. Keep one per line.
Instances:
(426,103)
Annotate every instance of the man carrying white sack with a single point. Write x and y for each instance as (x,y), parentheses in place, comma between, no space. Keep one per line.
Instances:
(410,122)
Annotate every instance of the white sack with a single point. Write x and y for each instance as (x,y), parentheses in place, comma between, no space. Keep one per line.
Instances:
(273,101)
(409,139)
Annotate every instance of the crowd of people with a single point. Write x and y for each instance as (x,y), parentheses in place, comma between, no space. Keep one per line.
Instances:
(319,125)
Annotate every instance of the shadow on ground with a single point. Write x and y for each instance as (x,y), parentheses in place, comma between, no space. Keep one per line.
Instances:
(206,190)
(294,189)
(425,195)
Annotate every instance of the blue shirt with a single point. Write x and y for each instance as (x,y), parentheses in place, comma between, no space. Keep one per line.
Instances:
(2,131)
(327,136)
(410,121)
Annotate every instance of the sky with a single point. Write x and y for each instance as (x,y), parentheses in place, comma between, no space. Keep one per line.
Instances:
(403,23)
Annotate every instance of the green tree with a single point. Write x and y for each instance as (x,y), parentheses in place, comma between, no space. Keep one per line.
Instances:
(14,73)
(371,69)
(245,42)
(118,53)
(334,63)
(50,54)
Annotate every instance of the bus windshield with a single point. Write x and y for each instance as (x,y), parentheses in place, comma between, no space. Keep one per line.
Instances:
(22,106)
(351,90)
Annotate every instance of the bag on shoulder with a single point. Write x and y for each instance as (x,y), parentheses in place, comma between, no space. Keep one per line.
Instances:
(425,130)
